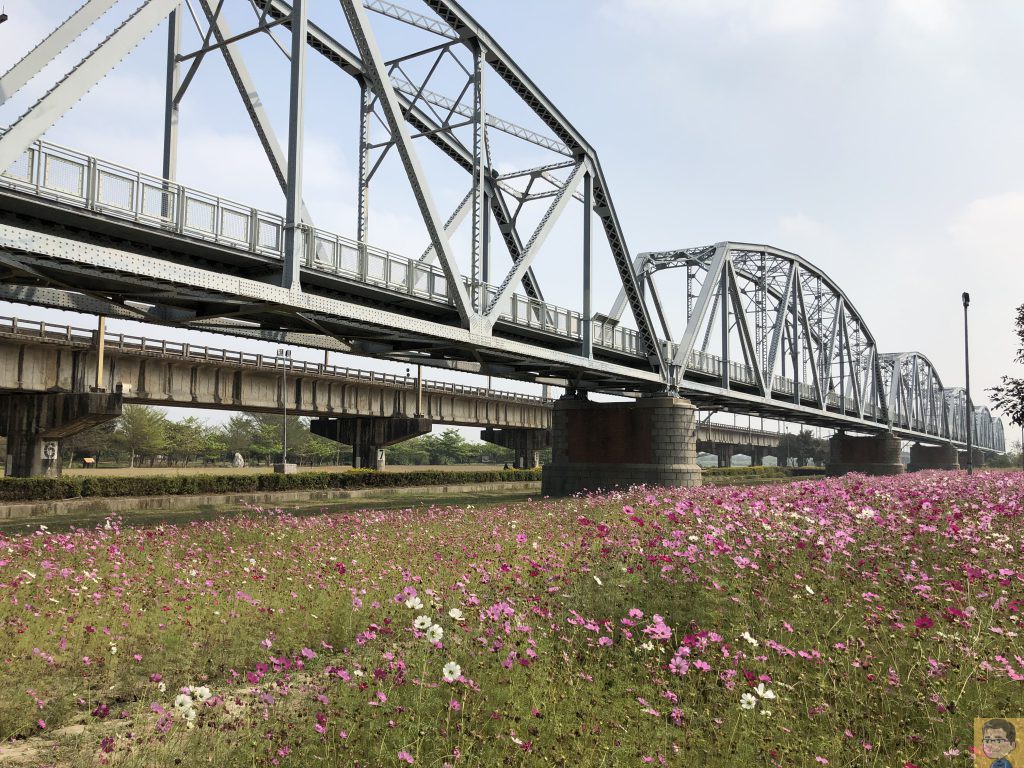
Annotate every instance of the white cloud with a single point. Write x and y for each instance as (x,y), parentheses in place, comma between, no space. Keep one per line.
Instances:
(810,238)
(929,17)
(987,227)
(744,17)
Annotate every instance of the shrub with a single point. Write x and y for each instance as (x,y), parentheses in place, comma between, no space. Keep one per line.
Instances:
(39,488)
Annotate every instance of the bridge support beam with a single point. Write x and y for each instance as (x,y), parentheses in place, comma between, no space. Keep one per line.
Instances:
(756,456)
(932,457)
(874,455)
(35,424)
(602,445)
(369,435)
(527,443)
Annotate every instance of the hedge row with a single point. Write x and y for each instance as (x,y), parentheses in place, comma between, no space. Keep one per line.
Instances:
(766,472)
(38,488)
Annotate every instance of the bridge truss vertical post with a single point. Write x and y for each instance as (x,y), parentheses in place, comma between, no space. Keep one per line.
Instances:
(293,239)
(363,208)
(587,331)
(171,109)
(479,256)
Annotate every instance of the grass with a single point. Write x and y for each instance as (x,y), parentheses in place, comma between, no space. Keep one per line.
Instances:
(864,622)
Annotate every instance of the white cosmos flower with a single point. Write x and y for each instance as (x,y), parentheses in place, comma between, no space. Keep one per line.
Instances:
(809,590)
(422,622)
(183,701)
(456,614)
(113,649)
(451,672)
(161,686)
(435,633)
(764,693)
(201,694)
(414,603)
(189,715)
(750,639)
(599,582)
(747,701)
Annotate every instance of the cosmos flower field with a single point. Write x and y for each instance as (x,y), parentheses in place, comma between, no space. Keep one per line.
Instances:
(854,622)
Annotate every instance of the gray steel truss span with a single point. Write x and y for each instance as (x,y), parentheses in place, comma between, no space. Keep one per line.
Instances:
(760,330)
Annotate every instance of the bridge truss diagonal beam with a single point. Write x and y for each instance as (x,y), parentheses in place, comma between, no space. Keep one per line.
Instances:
(59,99)
(381,83)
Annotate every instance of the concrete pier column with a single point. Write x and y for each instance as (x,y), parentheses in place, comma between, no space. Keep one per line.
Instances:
(527,443)
(757,456)
(724,454)
(874,455)
(932,457)
(369,435)
(979,458)
(602,445)
(35,424)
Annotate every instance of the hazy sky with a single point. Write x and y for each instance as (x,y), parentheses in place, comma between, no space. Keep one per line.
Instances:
(877,138)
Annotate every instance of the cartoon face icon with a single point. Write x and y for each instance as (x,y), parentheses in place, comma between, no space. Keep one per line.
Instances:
(999,738)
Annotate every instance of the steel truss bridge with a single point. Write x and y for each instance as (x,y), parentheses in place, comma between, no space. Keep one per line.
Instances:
(765,331)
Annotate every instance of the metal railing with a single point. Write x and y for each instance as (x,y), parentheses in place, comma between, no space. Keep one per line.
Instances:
(74,178)
(123,342)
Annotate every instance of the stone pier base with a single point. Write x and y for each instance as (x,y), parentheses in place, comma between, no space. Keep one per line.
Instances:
(369,435)
(34,425)
(527,443)
(932,457)
(874,455)
(979,458)
(594,446)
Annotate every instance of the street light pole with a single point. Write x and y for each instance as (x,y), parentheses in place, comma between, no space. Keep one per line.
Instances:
(967,366)
(286,355)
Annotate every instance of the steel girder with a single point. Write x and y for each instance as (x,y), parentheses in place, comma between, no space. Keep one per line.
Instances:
(762,320)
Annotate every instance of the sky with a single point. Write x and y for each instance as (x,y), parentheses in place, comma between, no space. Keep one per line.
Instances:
(879,139)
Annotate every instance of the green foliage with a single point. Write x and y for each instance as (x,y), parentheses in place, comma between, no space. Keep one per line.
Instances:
(142,430)
(1009,397)
(804,447)
(35,488)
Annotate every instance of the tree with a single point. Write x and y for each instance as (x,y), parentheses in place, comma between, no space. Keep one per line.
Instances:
(95,442)
(1009,397)
(142,430)
(803,446)
(186,439)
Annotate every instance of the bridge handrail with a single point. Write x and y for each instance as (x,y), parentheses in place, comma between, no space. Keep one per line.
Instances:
(72,177)
(131,343)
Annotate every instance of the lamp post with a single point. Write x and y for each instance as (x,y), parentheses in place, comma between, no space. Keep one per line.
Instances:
(967,366)
(285,356)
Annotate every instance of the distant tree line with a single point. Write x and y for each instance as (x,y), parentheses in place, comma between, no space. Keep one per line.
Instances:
(146,436)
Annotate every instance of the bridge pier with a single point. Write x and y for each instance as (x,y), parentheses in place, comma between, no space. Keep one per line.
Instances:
(757,456)
(602,445)
(724,454)
(34,425)
(873,455)
(369,435)
(527,443)
(932,457)
(979,458)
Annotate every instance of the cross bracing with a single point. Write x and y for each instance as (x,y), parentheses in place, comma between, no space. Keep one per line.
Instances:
(762,330)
